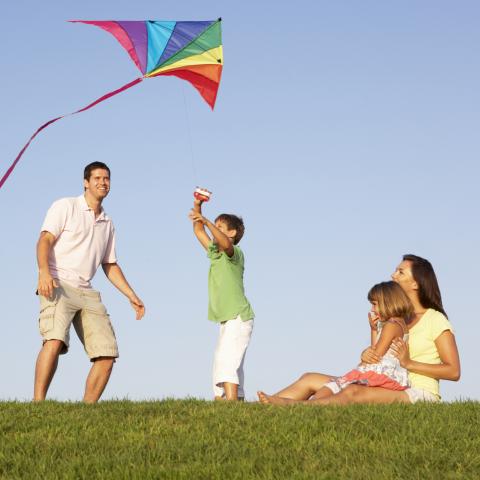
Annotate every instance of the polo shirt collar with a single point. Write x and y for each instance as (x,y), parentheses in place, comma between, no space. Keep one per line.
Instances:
(84,205)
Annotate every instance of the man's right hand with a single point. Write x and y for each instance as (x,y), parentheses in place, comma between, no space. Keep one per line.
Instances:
(46,284)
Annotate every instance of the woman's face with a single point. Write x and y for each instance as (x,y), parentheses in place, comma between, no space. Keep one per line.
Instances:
(404,277)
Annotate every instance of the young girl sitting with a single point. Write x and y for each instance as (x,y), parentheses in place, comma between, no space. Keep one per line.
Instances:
(391,311)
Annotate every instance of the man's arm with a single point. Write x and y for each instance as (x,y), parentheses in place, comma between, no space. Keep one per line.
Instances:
(46,283)
(115,275)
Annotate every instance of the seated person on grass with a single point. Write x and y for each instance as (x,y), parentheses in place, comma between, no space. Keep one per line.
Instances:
(430,355)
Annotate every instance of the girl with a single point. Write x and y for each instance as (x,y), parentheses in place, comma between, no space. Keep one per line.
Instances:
(391,311)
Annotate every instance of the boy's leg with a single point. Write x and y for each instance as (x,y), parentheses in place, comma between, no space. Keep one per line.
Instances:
(231,391)
(229,356)
(218,388)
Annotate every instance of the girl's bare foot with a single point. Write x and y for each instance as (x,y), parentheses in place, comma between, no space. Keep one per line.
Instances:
(272,400)
(263,397)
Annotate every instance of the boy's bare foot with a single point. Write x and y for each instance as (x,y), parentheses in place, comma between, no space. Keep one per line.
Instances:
(272,400)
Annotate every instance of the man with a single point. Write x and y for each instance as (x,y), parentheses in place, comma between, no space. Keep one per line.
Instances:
(76,238)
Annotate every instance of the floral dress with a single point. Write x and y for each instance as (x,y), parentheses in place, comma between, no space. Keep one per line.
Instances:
(388,373)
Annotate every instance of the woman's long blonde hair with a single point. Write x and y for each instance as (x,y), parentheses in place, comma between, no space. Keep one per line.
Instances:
(392,301)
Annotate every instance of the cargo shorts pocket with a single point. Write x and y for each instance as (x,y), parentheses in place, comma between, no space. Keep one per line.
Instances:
(47,315)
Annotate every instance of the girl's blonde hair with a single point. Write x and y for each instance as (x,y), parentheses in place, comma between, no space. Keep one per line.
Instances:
(392,301)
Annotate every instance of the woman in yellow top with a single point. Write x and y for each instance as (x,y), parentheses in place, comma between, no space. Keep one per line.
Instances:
(431,354)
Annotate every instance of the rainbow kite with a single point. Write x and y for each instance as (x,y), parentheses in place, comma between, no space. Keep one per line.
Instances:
(191,51)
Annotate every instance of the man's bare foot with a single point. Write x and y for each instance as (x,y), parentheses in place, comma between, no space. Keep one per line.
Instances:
(272,400)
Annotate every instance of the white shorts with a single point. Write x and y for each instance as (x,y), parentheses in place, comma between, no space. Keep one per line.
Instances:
(232,344)
(419,395)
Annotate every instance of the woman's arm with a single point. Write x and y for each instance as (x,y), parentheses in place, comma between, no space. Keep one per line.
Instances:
(449,369)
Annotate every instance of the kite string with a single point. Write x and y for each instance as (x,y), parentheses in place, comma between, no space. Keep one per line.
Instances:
(189,135)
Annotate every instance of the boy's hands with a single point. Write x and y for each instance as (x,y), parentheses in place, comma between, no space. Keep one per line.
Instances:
(196,217)
(199,222)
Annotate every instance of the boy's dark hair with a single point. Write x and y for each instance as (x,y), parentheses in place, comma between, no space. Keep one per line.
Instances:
(233,223)
(93,166)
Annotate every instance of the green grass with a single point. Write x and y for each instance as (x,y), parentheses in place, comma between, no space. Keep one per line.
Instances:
(192,439)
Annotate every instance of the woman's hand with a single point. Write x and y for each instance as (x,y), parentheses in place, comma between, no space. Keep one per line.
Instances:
(400,349)
(369,356)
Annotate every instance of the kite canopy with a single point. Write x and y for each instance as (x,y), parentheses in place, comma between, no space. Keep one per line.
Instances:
(188,50)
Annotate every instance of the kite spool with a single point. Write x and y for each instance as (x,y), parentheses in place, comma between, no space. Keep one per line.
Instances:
(202,194)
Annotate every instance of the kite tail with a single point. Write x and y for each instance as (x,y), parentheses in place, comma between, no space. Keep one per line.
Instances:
(45,125)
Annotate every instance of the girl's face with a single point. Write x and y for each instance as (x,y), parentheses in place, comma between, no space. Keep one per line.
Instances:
(374,310)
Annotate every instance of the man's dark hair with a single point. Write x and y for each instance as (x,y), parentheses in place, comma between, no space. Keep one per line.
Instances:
(93,166)
(233,223)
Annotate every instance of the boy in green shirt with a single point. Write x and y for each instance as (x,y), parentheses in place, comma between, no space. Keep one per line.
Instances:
(227,304)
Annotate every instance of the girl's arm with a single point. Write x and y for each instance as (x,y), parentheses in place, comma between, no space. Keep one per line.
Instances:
(390,331)
(449,369)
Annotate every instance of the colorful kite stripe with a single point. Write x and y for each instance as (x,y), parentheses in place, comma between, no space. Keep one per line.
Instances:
(188,50)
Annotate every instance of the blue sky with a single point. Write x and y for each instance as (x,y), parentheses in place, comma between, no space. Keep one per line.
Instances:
(345,133)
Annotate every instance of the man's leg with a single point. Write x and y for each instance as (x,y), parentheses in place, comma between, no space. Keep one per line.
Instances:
(45,368)
(98,378)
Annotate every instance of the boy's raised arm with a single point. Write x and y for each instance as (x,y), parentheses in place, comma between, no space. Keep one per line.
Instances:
(223,242)
(199,224)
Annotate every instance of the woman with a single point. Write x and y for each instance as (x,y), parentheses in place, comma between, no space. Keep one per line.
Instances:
(431,354)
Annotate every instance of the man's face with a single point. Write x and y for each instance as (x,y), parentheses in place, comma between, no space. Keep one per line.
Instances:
(98,185)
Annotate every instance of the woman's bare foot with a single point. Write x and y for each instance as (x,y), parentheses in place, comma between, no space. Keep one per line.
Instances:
(272,400)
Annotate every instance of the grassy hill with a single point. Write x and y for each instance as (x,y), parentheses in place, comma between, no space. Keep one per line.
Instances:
(192,439)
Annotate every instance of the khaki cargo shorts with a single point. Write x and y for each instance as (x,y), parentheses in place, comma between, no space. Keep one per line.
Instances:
(83,308)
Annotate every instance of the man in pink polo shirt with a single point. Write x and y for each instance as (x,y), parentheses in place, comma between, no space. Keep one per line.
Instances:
(76,238)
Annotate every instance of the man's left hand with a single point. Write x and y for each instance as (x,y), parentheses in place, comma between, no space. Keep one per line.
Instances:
(138,306)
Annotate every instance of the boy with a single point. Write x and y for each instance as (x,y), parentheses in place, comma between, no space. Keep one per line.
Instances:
(228,305)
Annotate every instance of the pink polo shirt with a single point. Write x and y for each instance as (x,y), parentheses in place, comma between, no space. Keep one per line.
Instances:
(82,243)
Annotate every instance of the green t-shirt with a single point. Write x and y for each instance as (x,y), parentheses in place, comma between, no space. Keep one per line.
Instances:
(226,295)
